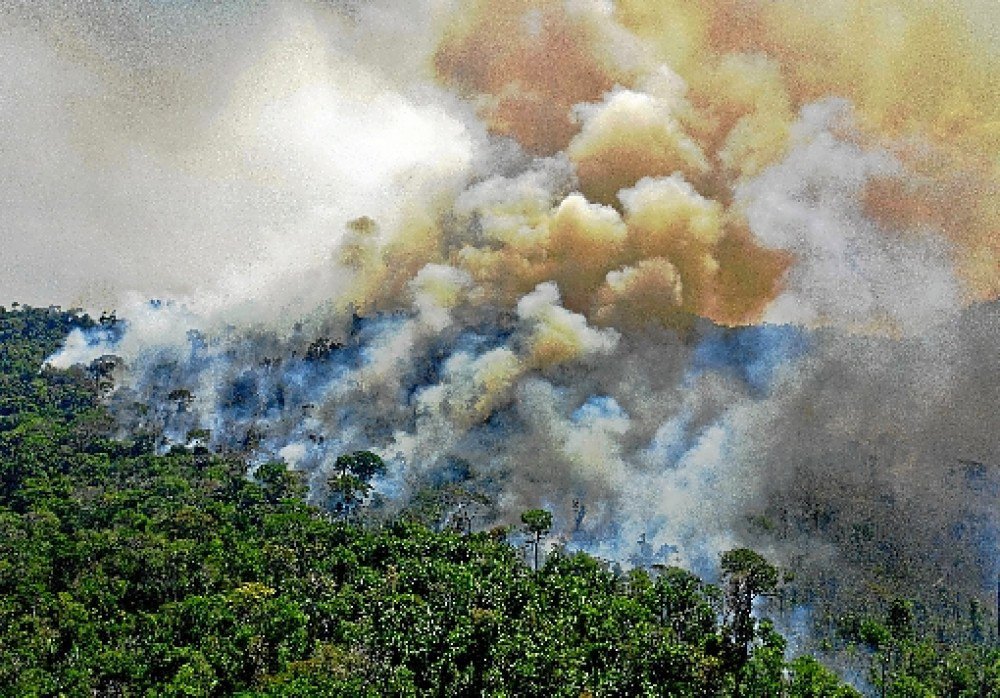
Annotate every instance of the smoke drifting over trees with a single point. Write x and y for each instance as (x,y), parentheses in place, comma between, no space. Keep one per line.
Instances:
(702,274)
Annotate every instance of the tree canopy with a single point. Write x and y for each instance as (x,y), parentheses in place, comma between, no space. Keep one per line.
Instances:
(127,572)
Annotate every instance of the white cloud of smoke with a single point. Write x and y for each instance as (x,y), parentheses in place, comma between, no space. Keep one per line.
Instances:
(208,153)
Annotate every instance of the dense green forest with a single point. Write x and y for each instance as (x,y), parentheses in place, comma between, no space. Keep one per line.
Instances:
(124,572)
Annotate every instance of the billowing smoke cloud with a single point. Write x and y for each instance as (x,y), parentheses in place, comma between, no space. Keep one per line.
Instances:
(205,152)
(690,274)
(849,271)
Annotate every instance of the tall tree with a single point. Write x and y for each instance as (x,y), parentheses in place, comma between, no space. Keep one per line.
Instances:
(746,575)
(538,523)
(351,481)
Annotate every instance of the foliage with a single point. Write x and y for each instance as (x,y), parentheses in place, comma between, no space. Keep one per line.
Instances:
(538,522)
(905,663)
(746,575)
(351,482)
(124,572)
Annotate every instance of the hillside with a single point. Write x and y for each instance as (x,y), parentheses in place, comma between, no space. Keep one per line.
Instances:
(125,572)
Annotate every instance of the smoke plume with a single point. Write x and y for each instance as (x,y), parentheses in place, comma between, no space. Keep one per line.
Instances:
(689,274)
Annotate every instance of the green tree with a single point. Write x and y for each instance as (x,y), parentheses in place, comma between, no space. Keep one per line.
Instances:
(746,575)
(807,678)
(351,481)
(539,523)
(279,482)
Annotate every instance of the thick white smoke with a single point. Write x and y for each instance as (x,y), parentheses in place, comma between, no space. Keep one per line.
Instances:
(849,272)
(213,154)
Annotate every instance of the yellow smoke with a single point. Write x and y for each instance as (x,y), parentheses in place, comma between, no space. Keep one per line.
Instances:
(686,251)
(529,62)
(629,136)
(922,84)
(704,93)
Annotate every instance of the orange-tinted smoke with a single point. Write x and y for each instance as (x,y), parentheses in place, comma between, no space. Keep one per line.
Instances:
(710,89)
(529,62)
